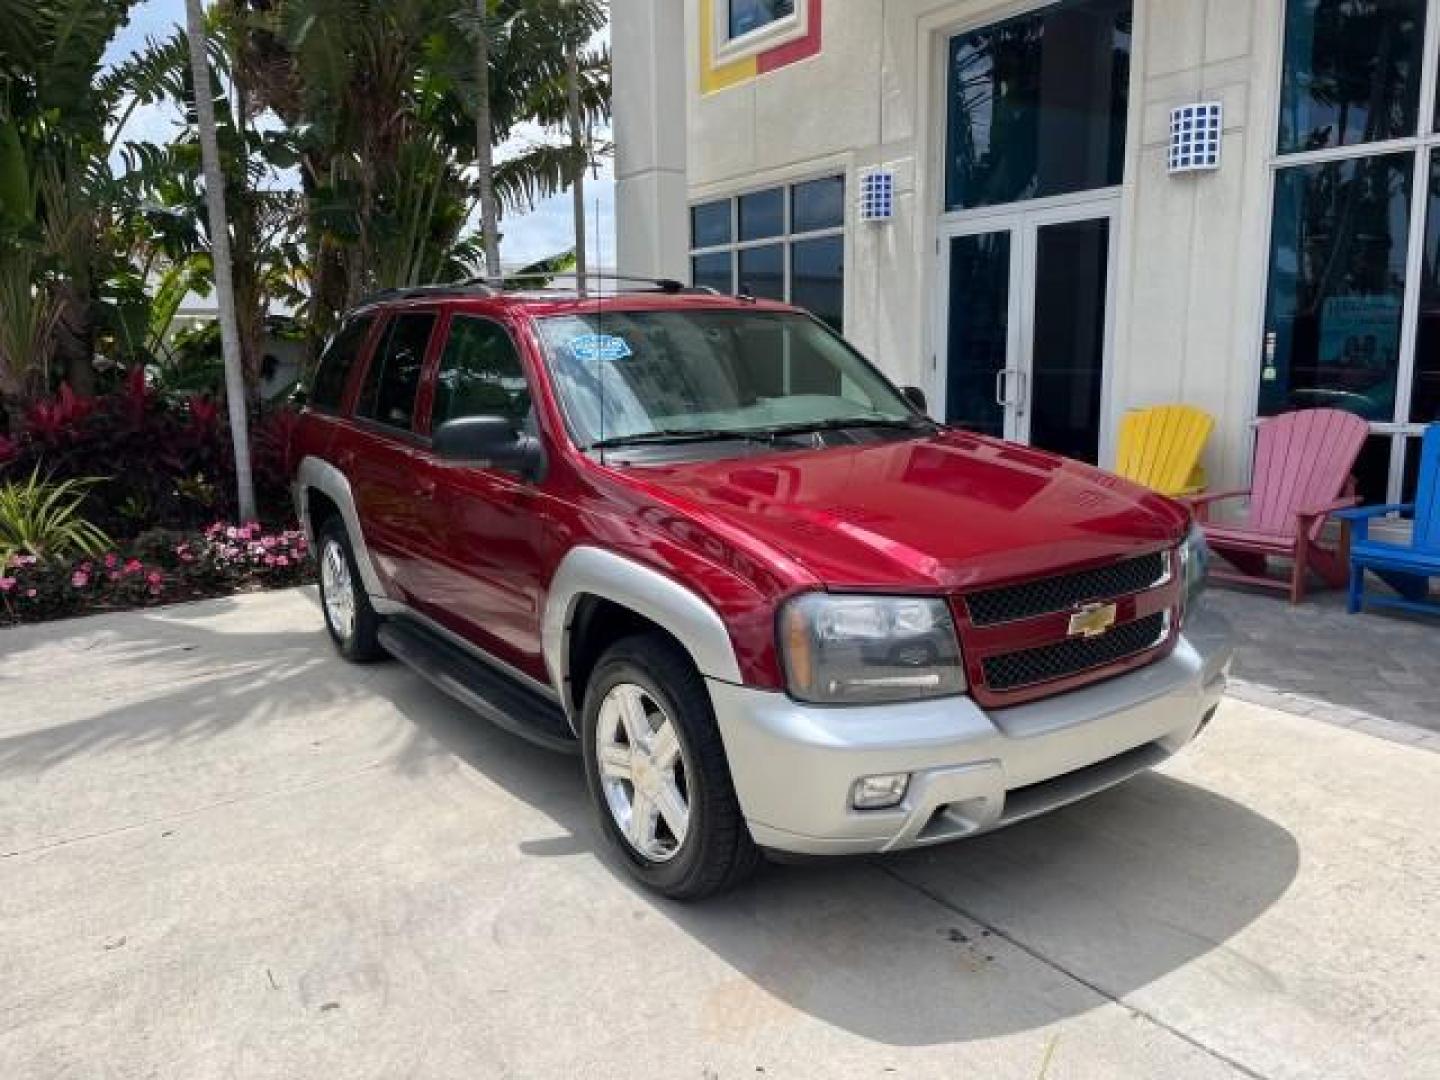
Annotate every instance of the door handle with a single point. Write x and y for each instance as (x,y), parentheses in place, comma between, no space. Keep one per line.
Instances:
(425,487)
(1002,387)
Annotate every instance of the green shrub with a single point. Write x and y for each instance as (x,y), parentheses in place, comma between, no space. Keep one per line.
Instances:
(43,518)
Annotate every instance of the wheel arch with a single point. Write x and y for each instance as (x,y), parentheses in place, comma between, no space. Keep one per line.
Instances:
(598,597)
(322,489)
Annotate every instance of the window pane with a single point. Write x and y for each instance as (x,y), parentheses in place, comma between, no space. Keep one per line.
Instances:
(394,376)
(1337,279)
(1037,105)
(480,374)
(712,271)
(1372,470)
(710,224)
(818,204)
(1425,401)
(979,331)
(747,15)
(762,214)
(336,364)
(762,272)
(817,279)
(1352,71)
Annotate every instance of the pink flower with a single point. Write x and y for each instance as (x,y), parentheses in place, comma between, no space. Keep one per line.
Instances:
(79,579)
(155,578)
(232,533)
(132,566)
(111,560)
(30,593)
(269,560)
(185,556)
(6,584)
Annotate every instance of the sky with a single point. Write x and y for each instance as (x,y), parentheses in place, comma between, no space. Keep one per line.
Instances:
(542,232)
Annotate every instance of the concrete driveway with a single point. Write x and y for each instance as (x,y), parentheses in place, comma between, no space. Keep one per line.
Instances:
(224,853)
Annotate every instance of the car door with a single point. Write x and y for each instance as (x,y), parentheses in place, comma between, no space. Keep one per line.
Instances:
(481,558)
(381,464)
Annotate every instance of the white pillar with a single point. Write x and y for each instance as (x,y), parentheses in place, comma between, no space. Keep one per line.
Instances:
(647,42)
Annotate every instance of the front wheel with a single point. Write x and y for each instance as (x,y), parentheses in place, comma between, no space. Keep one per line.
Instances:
(657,772)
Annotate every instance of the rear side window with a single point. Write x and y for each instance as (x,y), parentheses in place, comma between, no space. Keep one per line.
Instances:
(393,381)
(480,374)
(336,362)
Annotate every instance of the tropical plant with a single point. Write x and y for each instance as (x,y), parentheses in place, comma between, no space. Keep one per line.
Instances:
(45,519)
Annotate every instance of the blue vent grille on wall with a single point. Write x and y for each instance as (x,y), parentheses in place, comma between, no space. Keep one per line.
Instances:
(877,195)
(1195,137)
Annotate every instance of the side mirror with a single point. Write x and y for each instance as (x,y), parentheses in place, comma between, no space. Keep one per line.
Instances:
(491,442)
(915,396)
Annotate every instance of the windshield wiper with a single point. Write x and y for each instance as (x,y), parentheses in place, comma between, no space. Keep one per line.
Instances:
(805,427)
(676,436)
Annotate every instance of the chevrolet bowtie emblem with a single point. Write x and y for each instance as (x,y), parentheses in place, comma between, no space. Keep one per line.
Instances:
(1092,620)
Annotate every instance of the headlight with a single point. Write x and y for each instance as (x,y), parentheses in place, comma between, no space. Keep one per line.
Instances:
(1194,566)
(853,650)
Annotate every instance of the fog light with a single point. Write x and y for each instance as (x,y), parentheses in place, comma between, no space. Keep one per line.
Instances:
(879,792)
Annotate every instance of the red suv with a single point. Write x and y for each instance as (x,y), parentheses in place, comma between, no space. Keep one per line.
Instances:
(702,542)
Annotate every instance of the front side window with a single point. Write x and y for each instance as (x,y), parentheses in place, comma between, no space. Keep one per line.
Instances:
(480,374)
(337,362)
(1037,105)
(623,374)
(393,381)
(747,16)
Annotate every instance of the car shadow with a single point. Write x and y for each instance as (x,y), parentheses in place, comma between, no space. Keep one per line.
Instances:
(1004,933)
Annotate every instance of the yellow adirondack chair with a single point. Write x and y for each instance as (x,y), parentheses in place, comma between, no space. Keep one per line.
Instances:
(1160,448)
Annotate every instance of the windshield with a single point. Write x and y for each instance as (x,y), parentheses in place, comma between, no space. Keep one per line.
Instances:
(625,375)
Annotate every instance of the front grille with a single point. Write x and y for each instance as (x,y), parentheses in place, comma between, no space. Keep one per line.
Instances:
(1014,671)
(1010,603)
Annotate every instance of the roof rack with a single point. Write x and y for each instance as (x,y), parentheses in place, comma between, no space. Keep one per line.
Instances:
(511,282)
(485,286)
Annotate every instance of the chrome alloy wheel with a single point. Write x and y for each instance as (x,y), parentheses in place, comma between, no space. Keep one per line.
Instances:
(642,772)
(338,590)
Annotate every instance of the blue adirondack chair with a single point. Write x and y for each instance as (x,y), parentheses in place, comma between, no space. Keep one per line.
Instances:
(1407,570)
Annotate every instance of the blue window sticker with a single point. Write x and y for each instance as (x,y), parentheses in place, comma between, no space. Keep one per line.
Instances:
(595,347)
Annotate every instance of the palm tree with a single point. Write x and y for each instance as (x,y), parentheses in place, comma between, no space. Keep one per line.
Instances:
(220,254)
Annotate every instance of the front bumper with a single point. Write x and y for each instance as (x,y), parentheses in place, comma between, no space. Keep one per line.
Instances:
(794,765)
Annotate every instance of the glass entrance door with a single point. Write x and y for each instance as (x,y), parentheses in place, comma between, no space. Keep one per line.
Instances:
(1027,327)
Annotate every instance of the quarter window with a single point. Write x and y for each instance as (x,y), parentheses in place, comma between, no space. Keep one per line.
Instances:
(782,243)
(480,374)
(337,362)
(393,381)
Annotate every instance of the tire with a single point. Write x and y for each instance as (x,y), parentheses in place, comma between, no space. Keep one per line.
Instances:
(716,852)
(341,591)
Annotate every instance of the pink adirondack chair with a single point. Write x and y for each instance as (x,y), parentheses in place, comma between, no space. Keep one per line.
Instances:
(1303,465)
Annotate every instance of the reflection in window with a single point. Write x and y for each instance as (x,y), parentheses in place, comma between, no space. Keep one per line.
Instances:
(712,272)
(336,363)
(1037,105)
(1352,72)
(710,223)
(762,272)
(479,375)
(817,278)
(1425,402)
(748,15)
(1337,282)
(799,228)
(762,214)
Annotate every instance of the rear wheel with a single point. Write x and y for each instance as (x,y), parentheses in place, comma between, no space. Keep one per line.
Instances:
(353,624)
(657,771)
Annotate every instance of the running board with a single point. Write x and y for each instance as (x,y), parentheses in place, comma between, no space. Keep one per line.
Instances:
(479,686)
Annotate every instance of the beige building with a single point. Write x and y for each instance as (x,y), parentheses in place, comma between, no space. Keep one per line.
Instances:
(1060,246)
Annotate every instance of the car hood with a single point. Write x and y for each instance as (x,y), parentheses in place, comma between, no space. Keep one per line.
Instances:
(952,511)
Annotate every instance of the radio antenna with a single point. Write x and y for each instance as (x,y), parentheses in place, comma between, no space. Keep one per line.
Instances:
(599,318)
